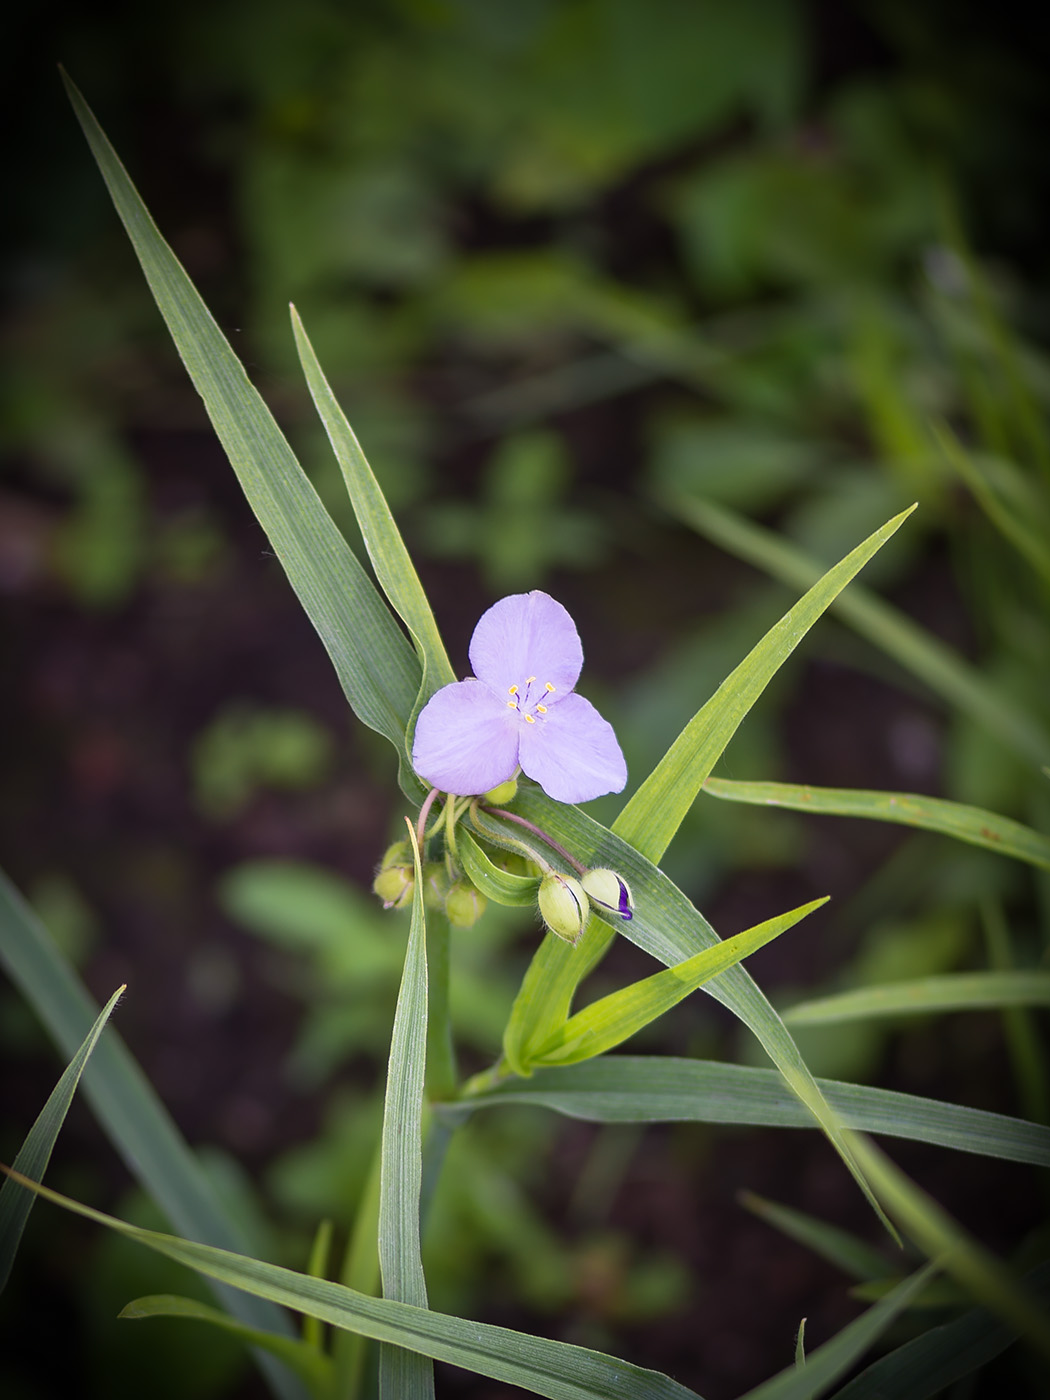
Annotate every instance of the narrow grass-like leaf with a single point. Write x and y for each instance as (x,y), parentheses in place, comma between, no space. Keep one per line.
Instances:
(313,1368)
(373,660)
(928,1365)
(669,927)
(659,1089)
(609,1022)
(971,824)
(954,991)
(405,1375)
(656,810)
(126,1105)
(845,1250)
(35,1152)
(918,651)
(1023,1040)
(824,1366)
(943,1239)
(554,1369)
(386,549)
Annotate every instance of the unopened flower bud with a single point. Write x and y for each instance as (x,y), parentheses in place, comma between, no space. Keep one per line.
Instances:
(396,877)
(609,891)
(464,904)
(502,794)
(394,886)
(563,906)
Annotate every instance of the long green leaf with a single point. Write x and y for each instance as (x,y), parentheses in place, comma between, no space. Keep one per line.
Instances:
(971,824)
(658,1089)
(609,1022)
(309,1364)
(954,991)
(134,1119)
(656,810)
(928,1365)
(35,1152)
(373,660)
(405,1375)
(386,549)
(824,1366)
(918,651)
(554,1369)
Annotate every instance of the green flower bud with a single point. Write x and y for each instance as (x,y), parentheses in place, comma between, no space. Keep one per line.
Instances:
(502,794)
(396,876)
(609,891)
(394,886)
(464,904)
(563,906)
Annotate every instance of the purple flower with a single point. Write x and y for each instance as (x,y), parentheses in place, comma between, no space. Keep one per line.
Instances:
(519,710)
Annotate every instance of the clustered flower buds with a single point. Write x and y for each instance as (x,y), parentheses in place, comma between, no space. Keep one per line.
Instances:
(565,902)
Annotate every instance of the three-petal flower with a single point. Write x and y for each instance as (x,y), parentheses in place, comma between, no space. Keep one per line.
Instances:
(519,710)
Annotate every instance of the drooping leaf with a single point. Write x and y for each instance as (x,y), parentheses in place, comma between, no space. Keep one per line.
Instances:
(971,824)
(554,1369)
(659,1089)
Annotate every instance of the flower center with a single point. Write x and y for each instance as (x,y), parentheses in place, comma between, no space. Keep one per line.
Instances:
(527,698)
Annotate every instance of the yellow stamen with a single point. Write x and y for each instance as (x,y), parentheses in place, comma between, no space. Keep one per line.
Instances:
(548,687)
(511,705)
(529,680)
(530,719)
(513,690)
(541,709)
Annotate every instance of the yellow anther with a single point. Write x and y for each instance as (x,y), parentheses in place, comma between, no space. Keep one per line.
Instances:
(529,680)
(541,709)
(513,690)
(530,719)
(512,705)
(548,687)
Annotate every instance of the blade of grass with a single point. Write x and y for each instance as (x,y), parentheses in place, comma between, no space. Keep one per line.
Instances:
(1022,1035)
(917,651)
(954,991)
(659,1089)
(373,660)
(125,1104)
(609,1022)
(35,1152)
(312,1368)
(386,549)
(405,1375)
(554,1369)
(971,824)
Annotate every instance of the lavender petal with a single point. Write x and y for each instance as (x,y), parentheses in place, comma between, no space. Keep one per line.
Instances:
(572,752)
(466,740)
(524,635)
